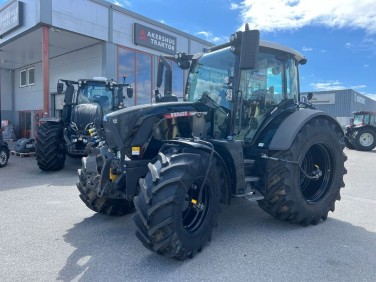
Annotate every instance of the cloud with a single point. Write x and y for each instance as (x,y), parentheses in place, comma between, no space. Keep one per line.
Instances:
(329,85)
(274,15)
(234,6)
(372,96)
(306,49)
(208,36)
(337,85)
(122,3)
(348,45)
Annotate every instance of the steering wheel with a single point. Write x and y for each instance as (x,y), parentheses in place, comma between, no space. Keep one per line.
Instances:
(97,97)
(258,95)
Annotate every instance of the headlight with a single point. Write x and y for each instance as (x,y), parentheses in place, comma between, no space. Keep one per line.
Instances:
(118,155)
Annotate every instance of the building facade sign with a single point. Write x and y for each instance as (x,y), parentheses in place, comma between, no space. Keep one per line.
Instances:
(323,99)
(154,39)
(359,99)
(11,17)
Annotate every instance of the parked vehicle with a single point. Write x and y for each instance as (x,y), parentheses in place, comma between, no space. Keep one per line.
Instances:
(58,136)
(361,133)
(241,133)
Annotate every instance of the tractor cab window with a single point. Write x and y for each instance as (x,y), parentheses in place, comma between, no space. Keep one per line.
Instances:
(366,119)
(358,120)
(212,76)
(96,93)
(273,80)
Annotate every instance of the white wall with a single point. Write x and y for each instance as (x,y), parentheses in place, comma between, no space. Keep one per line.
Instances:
(85,63)
(81,16)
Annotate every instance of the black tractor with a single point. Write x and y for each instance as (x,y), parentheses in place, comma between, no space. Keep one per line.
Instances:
(241,132)
(83,105)
(361,133)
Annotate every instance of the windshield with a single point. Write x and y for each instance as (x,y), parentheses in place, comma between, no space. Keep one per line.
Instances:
(96,92)
(361,119)
(273,80)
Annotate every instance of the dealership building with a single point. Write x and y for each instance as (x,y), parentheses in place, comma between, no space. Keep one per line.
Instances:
(341,103)
(42,41)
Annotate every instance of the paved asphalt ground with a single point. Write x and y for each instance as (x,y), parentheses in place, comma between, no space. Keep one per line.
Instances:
(47,234)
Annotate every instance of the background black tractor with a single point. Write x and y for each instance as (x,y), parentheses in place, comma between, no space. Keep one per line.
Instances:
(69,133)
(361,133)
(241,133)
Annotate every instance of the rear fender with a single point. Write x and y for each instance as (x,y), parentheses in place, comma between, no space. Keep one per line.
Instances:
(290,127)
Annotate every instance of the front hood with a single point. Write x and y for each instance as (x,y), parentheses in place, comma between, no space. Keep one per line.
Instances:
(119,125)
(84,115)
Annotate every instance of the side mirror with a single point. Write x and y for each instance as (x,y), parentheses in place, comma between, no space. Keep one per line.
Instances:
(129,92)
(60,87)
(352,121)
(249,49)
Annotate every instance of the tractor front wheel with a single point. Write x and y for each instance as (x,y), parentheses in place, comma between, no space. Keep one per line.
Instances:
(50,147)
(88,187)
(178,203)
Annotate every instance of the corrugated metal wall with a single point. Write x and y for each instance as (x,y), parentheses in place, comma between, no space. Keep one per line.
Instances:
(342,103)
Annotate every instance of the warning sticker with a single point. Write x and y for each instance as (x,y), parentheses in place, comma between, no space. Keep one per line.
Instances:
(135,151)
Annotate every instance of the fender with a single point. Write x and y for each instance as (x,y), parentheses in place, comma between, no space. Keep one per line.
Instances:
(50,119)
(208,147)
(289,128)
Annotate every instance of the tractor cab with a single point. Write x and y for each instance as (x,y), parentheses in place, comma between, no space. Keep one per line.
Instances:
(249,96)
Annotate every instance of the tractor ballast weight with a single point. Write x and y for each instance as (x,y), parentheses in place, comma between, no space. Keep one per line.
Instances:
(241,132)
(83,105)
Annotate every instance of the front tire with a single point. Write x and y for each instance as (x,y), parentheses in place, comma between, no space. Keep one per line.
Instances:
(4,157)
(293,197)
(176,208)
(348,143)
(50,147)
(88,187)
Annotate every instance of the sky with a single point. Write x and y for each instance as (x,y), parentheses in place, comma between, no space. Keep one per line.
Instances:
(338,37)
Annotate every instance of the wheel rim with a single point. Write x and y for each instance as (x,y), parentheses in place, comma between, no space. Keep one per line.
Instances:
(366,139)
(319,155)
(3,157)
(193,216)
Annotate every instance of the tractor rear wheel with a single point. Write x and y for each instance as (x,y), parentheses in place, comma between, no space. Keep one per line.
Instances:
(365,139)
(290,194)
(88,187)
(178,203)
(50,147)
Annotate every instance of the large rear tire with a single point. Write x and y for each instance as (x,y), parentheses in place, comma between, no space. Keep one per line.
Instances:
(293,197)
(88,187)
(176,208)
(50,147)
(365,139)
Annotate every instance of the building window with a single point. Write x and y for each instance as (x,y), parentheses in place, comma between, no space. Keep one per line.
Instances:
(27,77)
(141,70)
(30,72)
(23,81)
